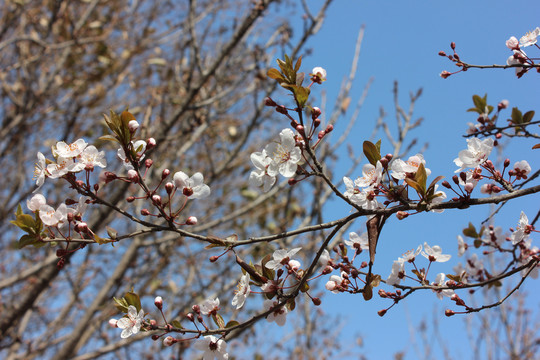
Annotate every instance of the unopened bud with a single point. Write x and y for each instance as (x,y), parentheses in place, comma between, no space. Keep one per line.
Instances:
(190,317)
(453,45)
(449,312)
(133,176)
(133,125)
(196,309)
(382,312)
(383,293)
(442,53)
(81,227)
(158,301)
(402,215)
(155,337)
(169,341)
(498,135)
(113,323)
(169,187)
(148,163)
(329,128)
(300,129)
(60,252)
(316,301)
(165,173)
(445,74)
(130,199)
(455,179)
(213,258)
(156,199)
(150,143)
(269,102)
(321,134)
(502,105)
(192,220)
(315,112)
(292,182)
(145,212)
(446,184)
(506,162)
(282,109)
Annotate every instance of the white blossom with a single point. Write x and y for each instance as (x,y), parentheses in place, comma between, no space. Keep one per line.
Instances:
(476,153)
(213,348)
(242,292)
(131,324)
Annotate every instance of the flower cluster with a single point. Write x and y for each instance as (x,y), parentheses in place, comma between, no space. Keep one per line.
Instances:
(280,157)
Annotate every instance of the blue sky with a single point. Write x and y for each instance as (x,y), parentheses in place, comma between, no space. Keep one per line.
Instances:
(401,42)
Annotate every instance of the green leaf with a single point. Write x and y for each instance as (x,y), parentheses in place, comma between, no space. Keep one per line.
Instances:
(477,243)
(176,324)
(418,187)
(298,63)
(121,304)
(101,240)
(26,223)
(480,102)
(517,117)
(232,323)
(301,94)
(371,152)
(275,74)
(421,177)
(133,299)
(470,231)
(109,138)
(218,320)
(527,117)
(26,240)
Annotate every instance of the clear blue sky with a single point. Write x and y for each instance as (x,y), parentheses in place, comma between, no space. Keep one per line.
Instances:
(401,42)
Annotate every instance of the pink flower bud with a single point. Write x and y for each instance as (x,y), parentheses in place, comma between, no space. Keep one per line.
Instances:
(151,143)
(113,323)
(133,125)
(315,112)
(158,301)
(442,53)
(148,163)
(512,43)
(165,173)
(168,341)
(156,199)
(190,317)
(133,176)
(329,128)
(321,134)
(192,220)
(294,265)
(445,74)
(503,104)
(449,312)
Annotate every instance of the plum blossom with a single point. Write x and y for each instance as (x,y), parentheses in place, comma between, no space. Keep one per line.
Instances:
(474,265)
(529,38)
(440,281)
(398,272)
(440,197)
(324,259)
(266,172)
(40,171)
(281,257)
(512,43)
(364,198)
(522,169)
(401,169)
(517,59)
(69,150)
(278,314)
(35,202)
(522,231)
(192,187)
(61,167)
(139,146)
(285,154)
(91,157)
(242,292)
(434,253)
(410,255)
(213,348)
(319,73)
(462,245)
(209,306)
(52,217)
(131,323)
(357,242)
(371,175)
(476,153)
